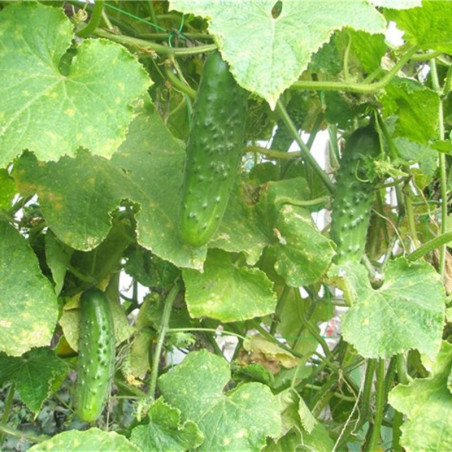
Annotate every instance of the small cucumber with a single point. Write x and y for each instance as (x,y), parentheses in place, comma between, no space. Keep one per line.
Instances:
(214,150)
(353,195)
(96,356)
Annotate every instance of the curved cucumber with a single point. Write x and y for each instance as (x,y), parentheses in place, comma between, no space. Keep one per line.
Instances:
(214,151)
(353,195)
(96,357)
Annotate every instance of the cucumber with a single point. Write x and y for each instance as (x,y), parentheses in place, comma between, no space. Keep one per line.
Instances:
(355,185)
(96,356)
(214,150)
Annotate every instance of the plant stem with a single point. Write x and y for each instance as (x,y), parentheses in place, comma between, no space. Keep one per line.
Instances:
(271,153)
(8,405)
(179,84)
(356,87)
(397,422)
(6,430)
(305,152)
(430,246)
(275,341)
(209,330)
(96,15)
(442,169)
(380,400)
(164,326)
(364,409)
(152,47)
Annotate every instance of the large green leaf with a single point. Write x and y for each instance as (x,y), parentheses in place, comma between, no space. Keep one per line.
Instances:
(52,113)
(303,253)
(428,27)
(88,440)
(415,107)
(406,312)
(7,189)
(239,420)
(427,404)
(36,375)
(226,291)
(165,431)
(147,170)
(28,305)
(268,54)
(240,231)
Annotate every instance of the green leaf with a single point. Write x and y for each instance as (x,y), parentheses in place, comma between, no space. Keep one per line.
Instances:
(427,27)
(149,270)
(416,108)
(239,231)
(366,50)
(427,404)
(406,312)
(295,412)
(28,305)
(227,292)
(303,253)
(7,189)
(58,257)
(88,440)
(88,107)
(268,54)
(147,170)
(241,419)
(413,152)
(165,431)
(397,4)
(36,374)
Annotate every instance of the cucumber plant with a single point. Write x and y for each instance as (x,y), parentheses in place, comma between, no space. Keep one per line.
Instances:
(214,150)
(355,183)
(96,355)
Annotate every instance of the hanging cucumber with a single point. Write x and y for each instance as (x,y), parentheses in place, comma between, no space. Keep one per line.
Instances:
(214,151)
(96,356)
(352,203)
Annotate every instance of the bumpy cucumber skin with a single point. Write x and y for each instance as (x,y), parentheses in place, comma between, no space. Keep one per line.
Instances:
(214,151)
(353,195)
(96,357)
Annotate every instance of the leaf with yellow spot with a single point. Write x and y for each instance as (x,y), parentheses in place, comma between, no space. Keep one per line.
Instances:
(52,105)
(87,440)
(28,304)
(238,420)
(406,312)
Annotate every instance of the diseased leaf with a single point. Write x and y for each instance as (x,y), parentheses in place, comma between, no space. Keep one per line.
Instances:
(227,292)
(271,351)
(267,54)
(88,107)
(239,230)
(427,404)
(165,431)
(303,254)
(237,420)
(147,170)
(28,305)
(36,374)
(406,312)
(82,441)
